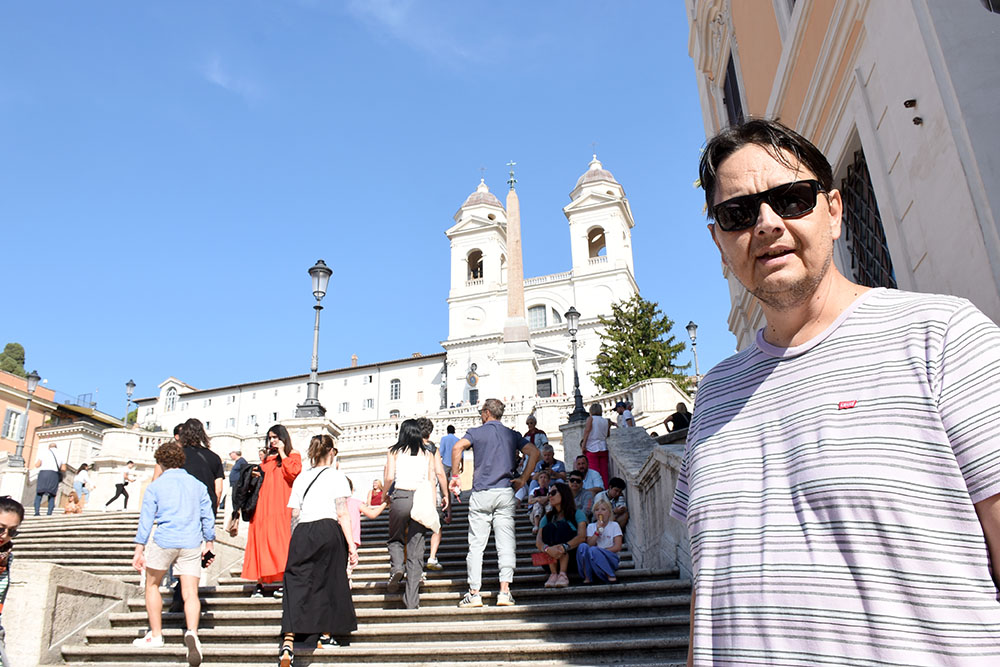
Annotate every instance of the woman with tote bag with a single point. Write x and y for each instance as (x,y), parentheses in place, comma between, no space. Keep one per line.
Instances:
(409,468)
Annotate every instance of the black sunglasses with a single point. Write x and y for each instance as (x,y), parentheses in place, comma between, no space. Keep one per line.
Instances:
(790,200)
(553,492)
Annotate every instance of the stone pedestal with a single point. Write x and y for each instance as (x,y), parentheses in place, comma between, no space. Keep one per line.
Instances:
(13,481)
(572,434)
(303,429)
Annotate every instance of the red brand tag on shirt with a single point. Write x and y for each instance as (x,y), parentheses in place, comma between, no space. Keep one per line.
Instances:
(846,405)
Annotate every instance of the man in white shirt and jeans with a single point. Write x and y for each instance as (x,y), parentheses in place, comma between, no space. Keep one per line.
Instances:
(51,466)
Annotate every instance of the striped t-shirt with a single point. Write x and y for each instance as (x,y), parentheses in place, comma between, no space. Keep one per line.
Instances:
(828,489)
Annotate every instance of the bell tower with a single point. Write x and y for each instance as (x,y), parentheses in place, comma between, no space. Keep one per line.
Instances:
(600,223)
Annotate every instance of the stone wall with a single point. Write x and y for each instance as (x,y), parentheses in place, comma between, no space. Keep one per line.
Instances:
(650,471)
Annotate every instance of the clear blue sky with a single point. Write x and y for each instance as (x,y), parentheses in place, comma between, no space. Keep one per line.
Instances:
(171,170)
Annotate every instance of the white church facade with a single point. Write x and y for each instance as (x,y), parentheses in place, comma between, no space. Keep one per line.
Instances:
(471,367)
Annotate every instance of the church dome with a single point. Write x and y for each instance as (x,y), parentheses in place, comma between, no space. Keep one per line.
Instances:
(482,195)
(596,172)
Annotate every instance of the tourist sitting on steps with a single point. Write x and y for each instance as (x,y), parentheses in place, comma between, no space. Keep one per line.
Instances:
(73,504)
(179,506)
(583,498)
(563,529)
(615,495)
(598,558)
(538,502)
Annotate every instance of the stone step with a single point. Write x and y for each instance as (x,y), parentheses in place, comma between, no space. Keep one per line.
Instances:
(664,649)
(576,630)
(449,593)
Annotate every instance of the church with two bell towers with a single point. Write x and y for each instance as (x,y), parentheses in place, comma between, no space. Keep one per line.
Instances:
(507,334)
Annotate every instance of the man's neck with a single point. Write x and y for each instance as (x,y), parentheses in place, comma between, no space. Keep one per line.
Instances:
(798,324)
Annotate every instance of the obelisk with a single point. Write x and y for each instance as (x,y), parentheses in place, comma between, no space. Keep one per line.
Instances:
(518,364)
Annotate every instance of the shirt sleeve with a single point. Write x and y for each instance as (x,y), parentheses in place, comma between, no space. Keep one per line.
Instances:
(207,515)
(967,378)
(291,466)
(295,498)
(220,469)
(146,515)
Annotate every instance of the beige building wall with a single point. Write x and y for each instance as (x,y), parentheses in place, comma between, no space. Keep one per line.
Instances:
(911,83)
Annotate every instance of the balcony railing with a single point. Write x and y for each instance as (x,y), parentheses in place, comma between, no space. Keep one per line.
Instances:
(474,282)
(603,259)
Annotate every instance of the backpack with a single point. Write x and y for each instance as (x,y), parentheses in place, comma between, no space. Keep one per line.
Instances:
(246,491)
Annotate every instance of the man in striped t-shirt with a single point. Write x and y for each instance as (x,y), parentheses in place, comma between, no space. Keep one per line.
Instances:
(842,477)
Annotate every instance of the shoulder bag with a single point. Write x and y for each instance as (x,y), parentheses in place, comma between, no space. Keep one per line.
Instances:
(424,510)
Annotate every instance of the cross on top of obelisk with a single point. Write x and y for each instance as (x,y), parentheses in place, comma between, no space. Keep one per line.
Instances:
(511,181)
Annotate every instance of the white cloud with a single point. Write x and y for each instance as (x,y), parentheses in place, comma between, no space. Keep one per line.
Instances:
(217,73)
(402,21)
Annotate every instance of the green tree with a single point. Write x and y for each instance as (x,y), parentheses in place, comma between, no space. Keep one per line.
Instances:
(636,345)
(12,359)
(132,417)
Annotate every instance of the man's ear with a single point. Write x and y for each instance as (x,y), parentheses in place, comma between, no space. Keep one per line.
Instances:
(711,229)
(835,204)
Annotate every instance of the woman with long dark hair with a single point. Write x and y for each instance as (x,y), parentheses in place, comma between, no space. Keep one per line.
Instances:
(270,528)
(407,465)
(317,598)
(561,530)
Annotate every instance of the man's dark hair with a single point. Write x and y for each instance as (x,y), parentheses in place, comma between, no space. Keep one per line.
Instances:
(426,427)
(170,455)
(617,483)
(127,462)
(575,475)
(8,504)
(177,429)
(451,428)
(783,144)
(582,456)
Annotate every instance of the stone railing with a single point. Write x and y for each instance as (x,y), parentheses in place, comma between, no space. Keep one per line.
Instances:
(473,282)
(603,259)
(548,279)
(650,471)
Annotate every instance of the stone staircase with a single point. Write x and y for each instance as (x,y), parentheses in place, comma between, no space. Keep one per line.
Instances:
(642,619)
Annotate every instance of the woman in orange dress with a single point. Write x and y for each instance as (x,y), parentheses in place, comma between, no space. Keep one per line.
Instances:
(271,525)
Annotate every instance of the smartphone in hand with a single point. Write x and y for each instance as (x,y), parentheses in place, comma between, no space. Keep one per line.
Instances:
(206,558)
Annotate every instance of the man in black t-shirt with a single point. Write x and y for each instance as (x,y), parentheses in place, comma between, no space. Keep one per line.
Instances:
(205,465)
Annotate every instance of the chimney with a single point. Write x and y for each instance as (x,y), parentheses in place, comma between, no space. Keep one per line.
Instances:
(354,361)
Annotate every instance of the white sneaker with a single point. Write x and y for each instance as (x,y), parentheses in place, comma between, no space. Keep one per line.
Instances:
(193,647)
(433,564)
(148,641)
(505,599)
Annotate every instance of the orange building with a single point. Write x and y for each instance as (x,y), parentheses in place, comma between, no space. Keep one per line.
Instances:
(901,96)
(13,400)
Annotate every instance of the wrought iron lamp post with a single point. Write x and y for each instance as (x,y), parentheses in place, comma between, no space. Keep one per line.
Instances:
(573,325)
(320,274)
(692,330)
(129,388)
(17,460)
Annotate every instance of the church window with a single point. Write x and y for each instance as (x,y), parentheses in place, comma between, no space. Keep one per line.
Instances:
(395,389)
(345,407)
(475,261)
(596,243)
(171,400)
(556,317)
(536,317)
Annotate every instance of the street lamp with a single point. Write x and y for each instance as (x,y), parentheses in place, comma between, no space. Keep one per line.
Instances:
(692,330)
(320,274)
(17,461)
(573,325)
(129,388)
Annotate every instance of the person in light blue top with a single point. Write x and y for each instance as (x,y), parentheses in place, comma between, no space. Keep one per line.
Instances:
(179,505)
(445,445)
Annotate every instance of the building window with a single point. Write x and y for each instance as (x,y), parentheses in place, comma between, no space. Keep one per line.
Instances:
(369,404)
(367,379)
(230,400)
(395,389)
(393,414)
(596,243)
(731,94)
(474,396)
(251,420)
(208,426)
(12,424)
(536,317)
(344,407)
(253,396)
(544,388)
(207,402)
(231,422)
(274,416)
(864,233)
(420,397)
(171,400)
(184,406)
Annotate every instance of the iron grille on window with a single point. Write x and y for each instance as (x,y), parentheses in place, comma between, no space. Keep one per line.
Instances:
(865,236)
(731,94)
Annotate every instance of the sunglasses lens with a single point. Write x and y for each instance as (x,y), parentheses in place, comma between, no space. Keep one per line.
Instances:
(731,217)
(798,199)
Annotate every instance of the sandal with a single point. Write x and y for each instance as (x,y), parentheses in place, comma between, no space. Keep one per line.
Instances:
(286,658)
